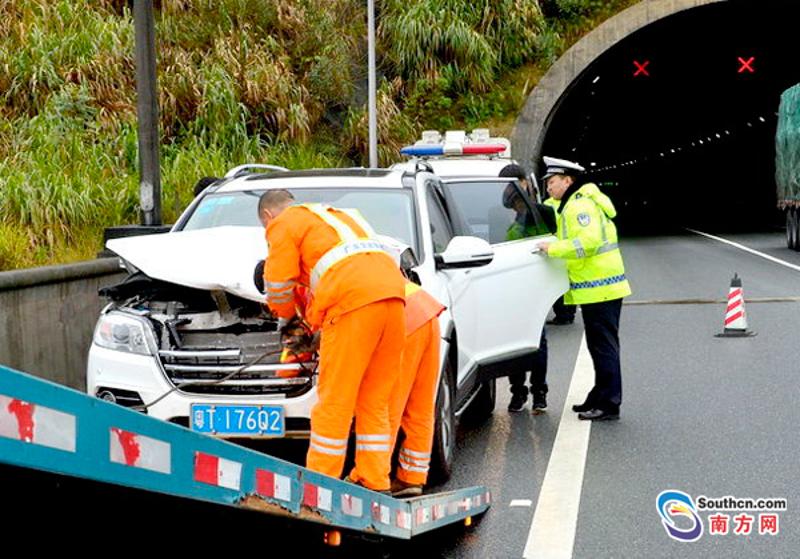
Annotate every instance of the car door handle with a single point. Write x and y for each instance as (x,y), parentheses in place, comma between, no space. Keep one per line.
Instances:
(537,250)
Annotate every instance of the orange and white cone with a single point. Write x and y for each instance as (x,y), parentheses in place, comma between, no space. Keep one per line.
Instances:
(735,316)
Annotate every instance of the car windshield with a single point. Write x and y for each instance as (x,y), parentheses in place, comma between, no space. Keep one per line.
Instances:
(494,210)
(390,212)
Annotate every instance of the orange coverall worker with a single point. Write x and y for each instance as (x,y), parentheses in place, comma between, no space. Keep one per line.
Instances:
(413,402)
(357,299)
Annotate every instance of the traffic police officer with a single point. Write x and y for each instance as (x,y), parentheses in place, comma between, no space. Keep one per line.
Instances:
(587,240)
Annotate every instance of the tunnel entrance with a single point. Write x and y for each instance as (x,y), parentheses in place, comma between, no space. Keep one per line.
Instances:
(677,121)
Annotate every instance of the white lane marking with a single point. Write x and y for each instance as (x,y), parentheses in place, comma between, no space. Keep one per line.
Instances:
(747,249)
(521,503)
(552,532)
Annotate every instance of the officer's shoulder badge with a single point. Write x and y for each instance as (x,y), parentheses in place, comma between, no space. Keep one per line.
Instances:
(584,220)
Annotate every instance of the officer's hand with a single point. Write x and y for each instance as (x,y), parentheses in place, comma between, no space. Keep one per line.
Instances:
(544,246)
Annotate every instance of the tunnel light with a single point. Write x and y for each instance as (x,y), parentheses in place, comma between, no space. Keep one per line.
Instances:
(718,136)
(597,79)
(728,132)
(750,124)
(709,139)
(593,164)
(662,154)
(762,119)
(701,142)
(672,151)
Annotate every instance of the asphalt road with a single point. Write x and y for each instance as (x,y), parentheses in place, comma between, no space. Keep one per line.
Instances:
(703,415)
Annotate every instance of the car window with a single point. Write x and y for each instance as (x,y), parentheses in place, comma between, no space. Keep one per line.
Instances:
(390,212)
(441,233)
(496,211)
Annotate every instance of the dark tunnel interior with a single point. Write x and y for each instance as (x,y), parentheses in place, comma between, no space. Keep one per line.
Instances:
(677,122)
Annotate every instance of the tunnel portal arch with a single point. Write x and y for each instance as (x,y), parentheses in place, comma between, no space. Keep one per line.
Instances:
(531,126)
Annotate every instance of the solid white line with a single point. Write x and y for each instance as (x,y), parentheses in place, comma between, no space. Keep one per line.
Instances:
(552,532)
(747,249)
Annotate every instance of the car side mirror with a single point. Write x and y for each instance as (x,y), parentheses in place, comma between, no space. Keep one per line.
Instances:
(464,252)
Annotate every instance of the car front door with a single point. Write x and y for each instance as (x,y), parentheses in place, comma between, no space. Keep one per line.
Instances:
(509,298)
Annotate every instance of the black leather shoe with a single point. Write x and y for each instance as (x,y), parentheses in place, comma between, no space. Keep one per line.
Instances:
(558,321)
(581,407)
(598,415)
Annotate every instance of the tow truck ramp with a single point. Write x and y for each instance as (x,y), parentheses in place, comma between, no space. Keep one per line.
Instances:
(51,428)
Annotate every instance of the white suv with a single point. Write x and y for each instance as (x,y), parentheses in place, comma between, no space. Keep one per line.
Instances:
(188,315)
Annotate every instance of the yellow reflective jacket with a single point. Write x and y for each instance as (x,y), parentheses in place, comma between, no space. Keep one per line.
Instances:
(588,242)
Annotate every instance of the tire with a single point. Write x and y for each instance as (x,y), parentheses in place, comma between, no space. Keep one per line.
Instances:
(444,434)
(482,407)
(797,229)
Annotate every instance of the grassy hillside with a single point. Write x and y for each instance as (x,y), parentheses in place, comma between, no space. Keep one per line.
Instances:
(241,81)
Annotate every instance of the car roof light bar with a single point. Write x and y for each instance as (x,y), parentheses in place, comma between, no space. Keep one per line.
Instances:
(452,148)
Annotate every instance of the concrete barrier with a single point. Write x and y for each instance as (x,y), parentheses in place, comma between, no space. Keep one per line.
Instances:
(47,317)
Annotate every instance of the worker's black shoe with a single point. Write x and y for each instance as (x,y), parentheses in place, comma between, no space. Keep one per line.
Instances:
(404,490)
(517,402)
(598,415)
(561,321)
(539,401)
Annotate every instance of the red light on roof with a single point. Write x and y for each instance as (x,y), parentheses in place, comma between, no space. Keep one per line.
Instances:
(483,149)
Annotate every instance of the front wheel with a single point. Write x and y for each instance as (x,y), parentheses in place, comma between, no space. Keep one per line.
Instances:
(444,435)
(482,407)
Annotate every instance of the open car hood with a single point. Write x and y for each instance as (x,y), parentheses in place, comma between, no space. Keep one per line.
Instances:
(219,258)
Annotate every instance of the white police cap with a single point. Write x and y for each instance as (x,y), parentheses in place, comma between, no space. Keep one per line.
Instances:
(557,166)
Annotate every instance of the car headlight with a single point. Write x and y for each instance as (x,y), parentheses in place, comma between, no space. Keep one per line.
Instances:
(124,333)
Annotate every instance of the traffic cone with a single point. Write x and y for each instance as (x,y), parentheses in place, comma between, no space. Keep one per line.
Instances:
(735,316)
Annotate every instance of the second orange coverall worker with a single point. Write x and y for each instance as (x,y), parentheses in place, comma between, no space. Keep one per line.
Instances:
(413,402)
(357,299)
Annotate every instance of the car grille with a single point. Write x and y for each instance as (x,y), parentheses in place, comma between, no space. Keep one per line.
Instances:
(204,370)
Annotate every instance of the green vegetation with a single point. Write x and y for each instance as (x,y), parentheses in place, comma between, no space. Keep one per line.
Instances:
(241,81)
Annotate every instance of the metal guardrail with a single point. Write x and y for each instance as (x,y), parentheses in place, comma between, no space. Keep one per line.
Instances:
(30,277)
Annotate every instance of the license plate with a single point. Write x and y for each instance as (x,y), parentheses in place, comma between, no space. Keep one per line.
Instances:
(218,419)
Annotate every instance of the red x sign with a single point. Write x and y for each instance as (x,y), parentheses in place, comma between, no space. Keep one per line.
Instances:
(746,65)
(641,68)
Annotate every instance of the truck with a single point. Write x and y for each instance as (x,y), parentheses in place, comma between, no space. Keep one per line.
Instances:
(787,163)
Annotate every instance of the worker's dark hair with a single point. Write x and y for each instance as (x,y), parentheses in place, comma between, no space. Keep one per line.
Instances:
(513,170)
(273,198)
(204,183)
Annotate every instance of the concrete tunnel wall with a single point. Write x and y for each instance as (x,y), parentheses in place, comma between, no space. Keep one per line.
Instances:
(47,318)
(531,126)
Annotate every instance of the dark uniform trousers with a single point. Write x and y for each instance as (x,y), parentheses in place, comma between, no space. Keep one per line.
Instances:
(601,324)
(538,372)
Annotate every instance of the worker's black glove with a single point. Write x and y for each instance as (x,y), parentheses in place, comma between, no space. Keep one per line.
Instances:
(304,343)
(291,327)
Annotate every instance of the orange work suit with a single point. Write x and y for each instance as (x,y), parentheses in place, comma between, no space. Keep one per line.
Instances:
(357,298)
(413,403)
